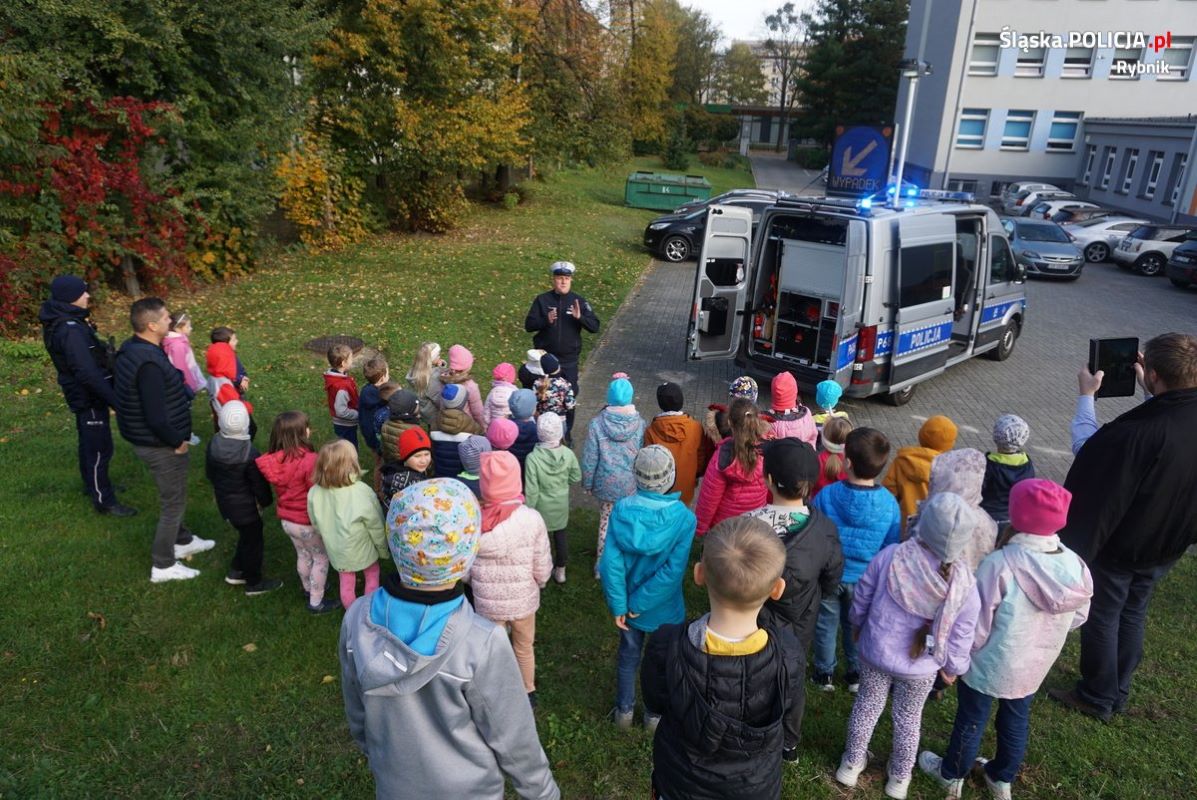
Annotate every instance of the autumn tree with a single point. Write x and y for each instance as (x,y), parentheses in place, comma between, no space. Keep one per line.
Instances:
(694,62)
(740,80)
(647,75)
(784,46)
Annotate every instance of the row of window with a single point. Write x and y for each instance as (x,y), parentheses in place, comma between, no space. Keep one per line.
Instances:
(1016,132)
(1078,61)
(1149,180)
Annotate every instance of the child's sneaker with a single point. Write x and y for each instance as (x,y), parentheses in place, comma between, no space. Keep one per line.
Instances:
(897,787)
(789,756)
(651,721)
(824,681)
(196,545)
(262,587)
(558,574)
(324,606)
(847,774)
(932,765)
(998,790)
(853,681)
(176,572)
(235,578)
(193,441)
(623,719)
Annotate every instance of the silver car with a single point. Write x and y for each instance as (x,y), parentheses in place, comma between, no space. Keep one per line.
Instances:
(1097,237)
(1044,248)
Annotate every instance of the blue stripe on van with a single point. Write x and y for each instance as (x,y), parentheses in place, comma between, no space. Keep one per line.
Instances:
(885,343)
(991,314)
(846,354)
(918,339)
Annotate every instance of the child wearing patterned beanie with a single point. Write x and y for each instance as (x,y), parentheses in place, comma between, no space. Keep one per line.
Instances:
(453,426)
(415,650)
(716,424)
(1009,465)
(523,413)
(548,472)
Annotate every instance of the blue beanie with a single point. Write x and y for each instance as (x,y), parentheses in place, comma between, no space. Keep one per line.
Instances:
(453,395)
(827,394)
(619,393)
(522,404)
(67,288)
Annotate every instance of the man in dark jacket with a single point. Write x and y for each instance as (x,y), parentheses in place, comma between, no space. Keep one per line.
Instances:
(154,414)
(558,318)
(1133,513)
(85,375)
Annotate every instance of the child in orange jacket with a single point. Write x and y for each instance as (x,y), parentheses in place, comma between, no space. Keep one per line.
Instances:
(681,435)
(910,474)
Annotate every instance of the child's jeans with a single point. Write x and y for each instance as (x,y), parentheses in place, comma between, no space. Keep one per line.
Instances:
(627,667)
(560,548)
(311,560)
(247,558)
(349,584)
(972,716)
(834,612)
(523,642)
(346,432)
(909,696)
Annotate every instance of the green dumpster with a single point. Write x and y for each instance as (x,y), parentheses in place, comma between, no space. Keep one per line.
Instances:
(662,191)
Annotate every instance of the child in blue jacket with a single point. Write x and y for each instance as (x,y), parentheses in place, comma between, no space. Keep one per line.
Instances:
(647,552)
(868,518)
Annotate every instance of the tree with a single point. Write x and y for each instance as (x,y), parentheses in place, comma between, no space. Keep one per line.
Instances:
(694,64)
(851,71)
(647,75)
(784,46)
(740,80)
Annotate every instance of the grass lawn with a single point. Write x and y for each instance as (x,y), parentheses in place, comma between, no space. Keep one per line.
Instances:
(111,686)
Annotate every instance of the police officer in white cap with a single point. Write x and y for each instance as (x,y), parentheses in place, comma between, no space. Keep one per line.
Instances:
(557,319)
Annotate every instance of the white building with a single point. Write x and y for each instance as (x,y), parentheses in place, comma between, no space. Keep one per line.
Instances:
(1013,81)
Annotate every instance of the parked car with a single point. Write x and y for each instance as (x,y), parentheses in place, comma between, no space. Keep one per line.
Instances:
(1182,266)
(694,205)
(1044,209)
(1011,192)
(1146,249)
(1044,248)
(676,237)
(1097,237)
(1072,214)
(1025,202)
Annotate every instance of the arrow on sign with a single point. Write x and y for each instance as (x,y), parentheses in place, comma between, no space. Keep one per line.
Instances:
(849,168)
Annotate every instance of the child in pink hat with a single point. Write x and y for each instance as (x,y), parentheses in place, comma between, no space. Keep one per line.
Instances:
(503,384)
(790,417)
(461,361)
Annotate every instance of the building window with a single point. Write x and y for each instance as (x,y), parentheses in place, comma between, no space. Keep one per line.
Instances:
(1017,133)
(1089,159)
(1078,62)
(984,60)
(1108,170)
(1178,174)
(998,188)
(961,185)
(971,133)
(1178,57)
(1153,174)
(1030,63)
(1125,65)
(1128,170)
(1062,136)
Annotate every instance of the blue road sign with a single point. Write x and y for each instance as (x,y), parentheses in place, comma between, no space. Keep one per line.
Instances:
(859,160)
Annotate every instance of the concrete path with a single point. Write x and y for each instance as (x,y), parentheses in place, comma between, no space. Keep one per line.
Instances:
(772,171)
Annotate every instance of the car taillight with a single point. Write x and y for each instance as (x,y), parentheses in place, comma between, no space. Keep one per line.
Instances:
(1018,202)
(866,344)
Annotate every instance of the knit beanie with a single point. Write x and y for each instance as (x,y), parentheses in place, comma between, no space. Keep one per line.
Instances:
(619,392)
(532,362)
(522,404)
(233,420)
(504,372)
(1010,433)
(67,288)
(827,394)
(784,390)
(1039,506)
(946,524)
(549,364)
(669,397)
(412,441)
(938,433)
(655,469)
(502,433)
(549,429)
(460,359)
(433,531)
(403,406)
(501,480)
(744,387)
(470,452)
(453,395)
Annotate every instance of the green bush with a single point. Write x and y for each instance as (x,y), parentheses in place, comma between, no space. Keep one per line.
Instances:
(811,158)
(677,149)
(511,200)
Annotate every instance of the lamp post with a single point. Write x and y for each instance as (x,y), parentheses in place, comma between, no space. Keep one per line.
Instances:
(911,69)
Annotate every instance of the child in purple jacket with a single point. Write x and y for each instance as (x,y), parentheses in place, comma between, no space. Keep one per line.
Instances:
(914,611)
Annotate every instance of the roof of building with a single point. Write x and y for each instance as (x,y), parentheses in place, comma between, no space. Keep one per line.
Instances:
(1186,120)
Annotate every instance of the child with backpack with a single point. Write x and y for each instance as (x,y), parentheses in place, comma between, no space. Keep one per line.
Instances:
(453,426)
(613,438)
(548,472)
(461,361)
(734,482)
(403,412)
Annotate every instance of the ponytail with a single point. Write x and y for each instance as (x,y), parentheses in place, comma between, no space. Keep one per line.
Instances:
(835,433)
(746,433)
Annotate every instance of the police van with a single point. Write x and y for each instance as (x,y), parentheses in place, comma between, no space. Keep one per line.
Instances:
(875,297)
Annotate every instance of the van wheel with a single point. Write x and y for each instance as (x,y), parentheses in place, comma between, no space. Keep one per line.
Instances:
(1150,265)
(1006,343)
(900,398)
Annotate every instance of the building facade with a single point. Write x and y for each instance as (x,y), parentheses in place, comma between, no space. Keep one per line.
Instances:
(1014,81)
(1140,166)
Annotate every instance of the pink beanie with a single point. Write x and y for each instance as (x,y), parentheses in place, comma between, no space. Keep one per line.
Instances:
(502,433)
(460,359)
(1039,506)
(504,372)
(785,391)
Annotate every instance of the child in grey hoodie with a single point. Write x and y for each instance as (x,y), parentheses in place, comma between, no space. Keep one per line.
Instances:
(433,695)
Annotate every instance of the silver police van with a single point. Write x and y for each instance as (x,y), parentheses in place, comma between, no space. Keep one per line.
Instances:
(875,297)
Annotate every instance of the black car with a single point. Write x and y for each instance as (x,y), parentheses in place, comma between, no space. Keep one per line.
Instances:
(1181,268)
(677,237)
(723,199)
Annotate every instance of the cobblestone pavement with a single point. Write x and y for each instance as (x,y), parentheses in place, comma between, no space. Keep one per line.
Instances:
(1038,382)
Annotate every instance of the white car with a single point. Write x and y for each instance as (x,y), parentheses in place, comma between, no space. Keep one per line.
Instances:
(1147,248)
(1045,208)
(1025,202)
(1098,237)
(1011,192)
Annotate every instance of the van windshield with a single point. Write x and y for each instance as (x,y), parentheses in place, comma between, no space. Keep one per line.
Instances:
(1041,233)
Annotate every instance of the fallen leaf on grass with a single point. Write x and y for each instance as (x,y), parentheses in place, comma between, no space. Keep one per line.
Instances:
(327,679)
(249,648)
(99,618)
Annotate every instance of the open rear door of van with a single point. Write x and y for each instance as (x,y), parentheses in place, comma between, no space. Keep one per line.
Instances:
(721,284)
(923,329)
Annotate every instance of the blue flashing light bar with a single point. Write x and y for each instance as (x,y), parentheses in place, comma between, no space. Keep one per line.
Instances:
(865,203)
(939,194)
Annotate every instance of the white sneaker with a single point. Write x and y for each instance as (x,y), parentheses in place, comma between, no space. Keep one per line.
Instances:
(194,440)
(176,572)
(848,773)
(932,765)
(998,790)
(623,719)
(196,545)
(558,574)
(896,788)
(651,721)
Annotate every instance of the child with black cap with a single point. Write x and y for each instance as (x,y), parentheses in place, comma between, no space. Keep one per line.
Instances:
(814,561)
(681,435)
(553,392)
